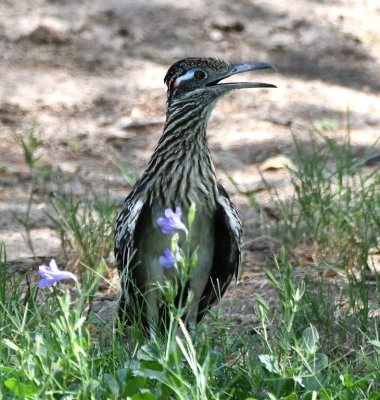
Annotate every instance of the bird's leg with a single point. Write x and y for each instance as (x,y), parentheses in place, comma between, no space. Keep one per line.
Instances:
(199,279)
(188,324)
(152,313)
(192,319)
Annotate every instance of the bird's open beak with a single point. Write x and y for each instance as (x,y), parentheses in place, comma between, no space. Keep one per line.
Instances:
(238,69)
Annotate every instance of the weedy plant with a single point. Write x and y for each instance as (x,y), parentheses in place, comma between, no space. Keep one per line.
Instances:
(48,350)
(335,211)
(85,227)
(39,173)
(335,205)
(29,144)
(294,359)
(307,348)
(85,224)
(340,205)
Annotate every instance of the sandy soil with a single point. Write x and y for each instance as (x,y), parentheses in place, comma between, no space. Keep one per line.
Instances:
(87,76)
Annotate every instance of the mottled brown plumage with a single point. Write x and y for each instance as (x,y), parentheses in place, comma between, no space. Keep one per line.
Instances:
(181,172)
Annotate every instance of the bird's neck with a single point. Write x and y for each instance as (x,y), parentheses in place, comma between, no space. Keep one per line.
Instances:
(182,164)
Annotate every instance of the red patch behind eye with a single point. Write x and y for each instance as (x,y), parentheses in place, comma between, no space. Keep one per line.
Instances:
(174,84)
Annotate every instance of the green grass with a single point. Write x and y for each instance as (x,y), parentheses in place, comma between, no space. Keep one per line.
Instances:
(85,226)
(335,205)
(319,343)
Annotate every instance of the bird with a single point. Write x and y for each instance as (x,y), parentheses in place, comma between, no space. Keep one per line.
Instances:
(181,173)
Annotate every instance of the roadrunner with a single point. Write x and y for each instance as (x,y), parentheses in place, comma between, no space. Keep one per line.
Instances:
(181,172)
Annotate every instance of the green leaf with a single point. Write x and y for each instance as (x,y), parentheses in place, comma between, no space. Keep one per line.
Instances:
(9,370)
(292,396)
(112,384)
(321,361)
(191,215)
(263,303)
(148,352)
(22,390)
(272,278)
(194,261)
(144,396)
(313,383)
(346,380)
(270,363)
(122,375)
(326,394)
(127,175)
(134,385)
(148,373)
(11,345)
(310,338)
(375,343)
(350,383)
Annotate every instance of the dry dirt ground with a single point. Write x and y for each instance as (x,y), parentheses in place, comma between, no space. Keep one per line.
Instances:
(88,76)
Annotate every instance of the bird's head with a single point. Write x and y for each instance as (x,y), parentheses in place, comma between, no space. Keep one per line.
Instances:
(201,78)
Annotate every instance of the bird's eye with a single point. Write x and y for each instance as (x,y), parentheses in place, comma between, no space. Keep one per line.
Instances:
(199,74)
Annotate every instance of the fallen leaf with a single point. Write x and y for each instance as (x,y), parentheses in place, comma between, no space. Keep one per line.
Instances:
(277,162)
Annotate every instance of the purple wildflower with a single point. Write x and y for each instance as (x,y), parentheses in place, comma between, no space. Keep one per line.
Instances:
(167,260)
(51,274)
(172,221)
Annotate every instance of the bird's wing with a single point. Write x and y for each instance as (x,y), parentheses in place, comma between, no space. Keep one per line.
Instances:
(132,299)
(126,223)
(227,251)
